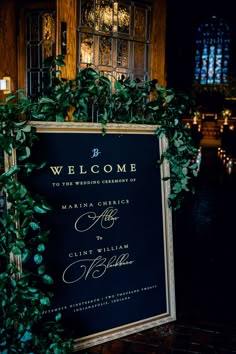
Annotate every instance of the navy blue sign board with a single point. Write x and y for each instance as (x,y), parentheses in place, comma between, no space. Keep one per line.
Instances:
(110,250)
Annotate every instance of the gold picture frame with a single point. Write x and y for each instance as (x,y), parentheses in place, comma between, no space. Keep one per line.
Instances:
(138,198)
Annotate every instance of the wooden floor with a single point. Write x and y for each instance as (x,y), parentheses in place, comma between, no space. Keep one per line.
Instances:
(175,339)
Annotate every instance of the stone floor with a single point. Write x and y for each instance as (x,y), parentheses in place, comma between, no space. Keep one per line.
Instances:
(205,264)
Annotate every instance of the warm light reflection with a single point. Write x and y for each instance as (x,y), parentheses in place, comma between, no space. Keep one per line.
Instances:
(197,115)
(49,33)
(123,19)
(105,16)
(48,27)
(86,49)
(226,115)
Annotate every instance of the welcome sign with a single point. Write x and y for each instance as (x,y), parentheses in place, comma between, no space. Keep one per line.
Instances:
(110,249)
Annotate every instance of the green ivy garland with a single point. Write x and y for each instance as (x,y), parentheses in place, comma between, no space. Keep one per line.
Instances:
(24,295)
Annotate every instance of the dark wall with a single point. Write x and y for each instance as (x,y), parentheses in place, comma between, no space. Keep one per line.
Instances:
(183,18)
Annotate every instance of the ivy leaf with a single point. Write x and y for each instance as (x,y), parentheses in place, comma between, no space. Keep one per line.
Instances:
(59,61)
(118,85)
(23,281)
(185,171)
(26,129)
(41,247)
(59,117)
(10,97)
(45,301)
(194,166)
(38,258)
(183,148)
(16,251)
(20,243)
(176,143)
(41,269)
(13,283)
(46,100)
(10,172)
(176,121)
(27,336)
(3,344)
(177,187)
(32,290)
(25,255)
(34,226)
(91,72)
(47,279)
(169,98)
(3,276)
(23,191)
(46,207)
(58,317)
(39,210)
(25,155)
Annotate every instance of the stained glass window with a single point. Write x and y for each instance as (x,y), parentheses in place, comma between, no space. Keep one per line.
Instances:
(212,53)
(114,37)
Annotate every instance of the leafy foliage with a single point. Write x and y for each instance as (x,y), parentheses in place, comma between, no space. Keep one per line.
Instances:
(129,101)
(25,295)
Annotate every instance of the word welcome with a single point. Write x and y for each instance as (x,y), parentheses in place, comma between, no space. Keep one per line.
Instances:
(82,170)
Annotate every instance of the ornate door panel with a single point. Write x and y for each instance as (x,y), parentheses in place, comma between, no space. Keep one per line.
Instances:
(113,37)
(37,41)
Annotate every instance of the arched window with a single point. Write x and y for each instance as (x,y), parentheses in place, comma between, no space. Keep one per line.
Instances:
(212,53)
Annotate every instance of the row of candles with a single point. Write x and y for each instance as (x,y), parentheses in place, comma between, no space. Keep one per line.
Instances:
(227,160)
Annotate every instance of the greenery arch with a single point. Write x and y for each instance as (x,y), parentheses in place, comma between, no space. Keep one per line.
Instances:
(24,295)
